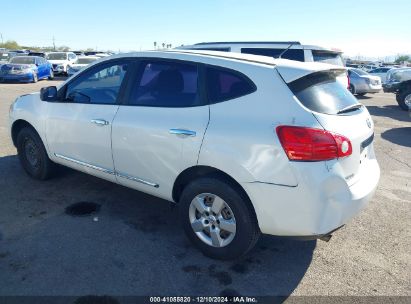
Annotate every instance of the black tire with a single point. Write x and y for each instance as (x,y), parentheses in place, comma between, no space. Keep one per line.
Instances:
(361,94)
(51,76)
(352,89)
(247,230)
(35,78)
(33,156)
(401,96)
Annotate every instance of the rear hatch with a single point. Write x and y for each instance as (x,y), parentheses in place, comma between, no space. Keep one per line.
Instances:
(338,111)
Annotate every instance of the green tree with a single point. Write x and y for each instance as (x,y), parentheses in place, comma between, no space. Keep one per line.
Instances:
(402,58)
(10,44)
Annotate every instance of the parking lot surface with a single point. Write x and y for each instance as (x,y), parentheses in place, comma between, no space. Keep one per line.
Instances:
(134,245)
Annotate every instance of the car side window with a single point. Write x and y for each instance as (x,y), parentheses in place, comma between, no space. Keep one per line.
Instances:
(166,84)
(224,84)
(100,85)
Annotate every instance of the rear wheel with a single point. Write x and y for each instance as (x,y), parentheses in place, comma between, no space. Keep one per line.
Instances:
(32,155)
(218,219)
(404,99)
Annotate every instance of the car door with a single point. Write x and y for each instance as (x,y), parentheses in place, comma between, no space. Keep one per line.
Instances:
(158,133)
(78,128)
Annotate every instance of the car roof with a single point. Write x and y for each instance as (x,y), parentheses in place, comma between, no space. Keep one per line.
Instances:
(261,44)
(289,69)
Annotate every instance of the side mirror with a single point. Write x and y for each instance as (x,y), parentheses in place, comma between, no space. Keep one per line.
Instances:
(48,93)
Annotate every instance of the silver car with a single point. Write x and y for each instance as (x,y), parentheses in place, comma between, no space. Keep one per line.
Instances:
(362,83)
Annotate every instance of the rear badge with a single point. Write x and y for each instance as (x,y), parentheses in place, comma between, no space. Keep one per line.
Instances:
(368,123)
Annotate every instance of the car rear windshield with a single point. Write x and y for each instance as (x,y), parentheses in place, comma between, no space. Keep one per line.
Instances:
(328,57)
(321,92)
(57,56)
(22,60)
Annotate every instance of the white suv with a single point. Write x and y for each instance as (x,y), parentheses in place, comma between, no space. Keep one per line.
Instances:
(61,61)
(243,144)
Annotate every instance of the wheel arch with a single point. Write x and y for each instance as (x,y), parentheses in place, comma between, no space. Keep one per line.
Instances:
(195,172)
(405,85)
(17,126)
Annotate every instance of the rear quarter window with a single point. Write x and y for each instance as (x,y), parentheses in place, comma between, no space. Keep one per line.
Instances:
(224,84)
(321,92)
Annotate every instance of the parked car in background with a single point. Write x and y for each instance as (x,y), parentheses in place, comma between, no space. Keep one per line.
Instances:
(362,83)
(369,67)
(380,72)
(399,82)
(292,50)
(61,61)
(79,53)
(26,69)
(81,63)
(40,54)
(158,122)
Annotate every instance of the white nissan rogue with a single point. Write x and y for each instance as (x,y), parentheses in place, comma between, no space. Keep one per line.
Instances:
(244,144)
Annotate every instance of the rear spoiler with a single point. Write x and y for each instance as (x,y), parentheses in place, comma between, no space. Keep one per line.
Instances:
(292,70)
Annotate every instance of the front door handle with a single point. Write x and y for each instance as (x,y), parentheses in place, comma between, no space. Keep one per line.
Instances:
(100,122)
(182,132)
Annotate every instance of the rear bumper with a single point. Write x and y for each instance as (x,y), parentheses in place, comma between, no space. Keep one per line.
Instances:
(322,201)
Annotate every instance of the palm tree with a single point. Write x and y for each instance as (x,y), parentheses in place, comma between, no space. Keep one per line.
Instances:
(164,45)
(155,44)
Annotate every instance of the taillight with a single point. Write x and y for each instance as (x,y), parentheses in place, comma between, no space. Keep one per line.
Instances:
(309,144)
(349,81)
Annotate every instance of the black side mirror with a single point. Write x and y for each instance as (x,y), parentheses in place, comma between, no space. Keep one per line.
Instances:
(48,93)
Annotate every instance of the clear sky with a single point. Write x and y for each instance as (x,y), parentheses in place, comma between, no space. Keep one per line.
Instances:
(372,28)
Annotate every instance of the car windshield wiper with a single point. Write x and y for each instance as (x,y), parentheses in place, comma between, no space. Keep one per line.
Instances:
(350,108)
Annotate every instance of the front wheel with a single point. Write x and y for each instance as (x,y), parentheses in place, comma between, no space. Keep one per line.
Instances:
(218,218)
(33,156)
(404,99)
(35,78)
(51,75)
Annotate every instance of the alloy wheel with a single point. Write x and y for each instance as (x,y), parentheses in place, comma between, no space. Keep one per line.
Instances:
(212,220)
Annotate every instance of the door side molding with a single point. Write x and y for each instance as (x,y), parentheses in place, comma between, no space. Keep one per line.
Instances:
(108,171)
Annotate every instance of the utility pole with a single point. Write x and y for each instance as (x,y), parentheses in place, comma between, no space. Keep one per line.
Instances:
(2,41)
(54,44)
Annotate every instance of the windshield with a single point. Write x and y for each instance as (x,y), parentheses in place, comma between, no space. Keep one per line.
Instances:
(57,56)
(85,60)
(328,57)
(322,93)
(360,72)
(22,60)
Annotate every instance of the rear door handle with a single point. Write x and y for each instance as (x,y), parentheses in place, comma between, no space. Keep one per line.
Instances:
(182,132)
(100,122)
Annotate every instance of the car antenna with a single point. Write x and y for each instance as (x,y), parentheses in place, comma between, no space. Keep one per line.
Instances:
(283,52)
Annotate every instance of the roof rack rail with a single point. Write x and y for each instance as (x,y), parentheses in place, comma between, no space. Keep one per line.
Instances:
(250,42)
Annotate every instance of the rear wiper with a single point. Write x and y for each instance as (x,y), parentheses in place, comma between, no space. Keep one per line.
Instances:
(350,108)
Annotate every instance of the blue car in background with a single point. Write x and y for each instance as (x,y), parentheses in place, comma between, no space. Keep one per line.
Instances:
(26,69)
